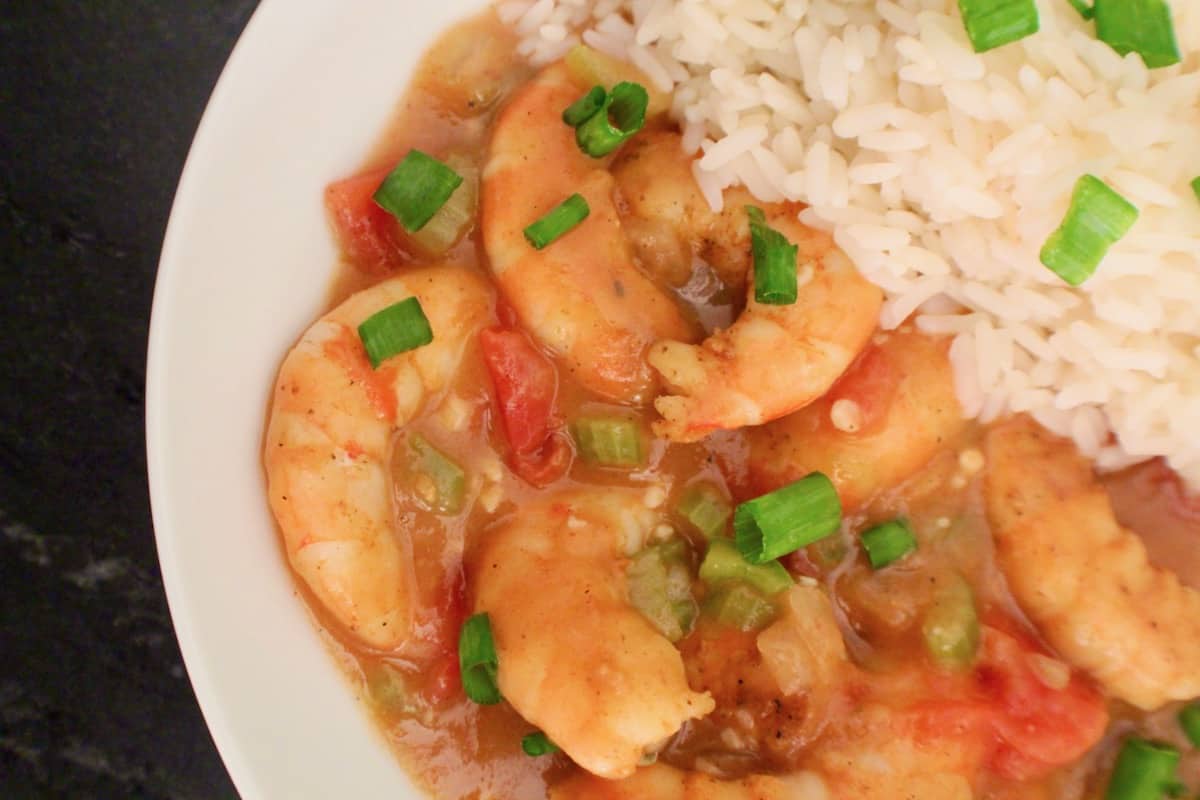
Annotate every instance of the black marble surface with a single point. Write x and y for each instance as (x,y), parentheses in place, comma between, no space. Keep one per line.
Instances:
(98,103)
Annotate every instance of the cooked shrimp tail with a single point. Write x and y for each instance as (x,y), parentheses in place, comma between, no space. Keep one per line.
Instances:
(576,658)
(1085,580)
(327,444)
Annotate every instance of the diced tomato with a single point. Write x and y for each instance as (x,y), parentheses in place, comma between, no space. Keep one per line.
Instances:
(526,384)
(1039,727)
(442,676)
(548,464)
(1003,715)
(369,236)
(451,611)
(871,383)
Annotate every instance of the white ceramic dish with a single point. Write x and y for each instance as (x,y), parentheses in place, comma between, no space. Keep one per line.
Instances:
(245,266)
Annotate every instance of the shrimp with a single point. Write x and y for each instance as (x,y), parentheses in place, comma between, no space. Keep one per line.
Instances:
(872,749)
(588,300)
(669,222)
(886,418)
(740,376)
(326,450)
(576,658)
(877,749)
(583,296)
(1083,579)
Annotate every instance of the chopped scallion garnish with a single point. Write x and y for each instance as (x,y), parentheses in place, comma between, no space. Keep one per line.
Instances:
(609,441)
(1189,721)
(1196,187)
(787,519)
(590,67)
(560,219)
(456,216)
(1145,770)
(394,330)
(993,23)
(704,506)
(415,190)
(1085,9)
(1096,219)
(622,115)
(585,107)
(1138,26)
(538,744)
(774,262)
(724,564)
(887,543)
(477,661)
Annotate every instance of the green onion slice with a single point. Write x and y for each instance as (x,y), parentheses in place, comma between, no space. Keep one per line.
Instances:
(739,606)
(394,330)
(609,441)
(477,661)
(538,744)
(585,107)
(705,508)
(622,115)
(951,625)
(1085,9)
(888,543)
(1145,770)
(724,564)
(787,519)
(1189,721)
(560,219)
(774,262)
(1138,26)
(456,216)
(1096,219)
(1196,187)
(449,481)
(993,23)
(415,190)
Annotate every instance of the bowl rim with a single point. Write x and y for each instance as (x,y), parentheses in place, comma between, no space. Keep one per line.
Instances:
(295,63)
(203,685)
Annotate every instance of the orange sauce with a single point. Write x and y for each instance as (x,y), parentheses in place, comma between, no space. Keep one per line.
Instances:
(461,750)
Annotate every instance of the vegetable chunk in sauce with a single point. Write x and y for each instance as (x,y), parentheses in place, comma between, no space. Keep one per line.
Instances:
(512,479)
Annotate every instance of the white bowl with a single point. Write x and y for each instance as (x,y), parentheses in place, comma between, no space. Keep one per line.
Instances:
(245,267)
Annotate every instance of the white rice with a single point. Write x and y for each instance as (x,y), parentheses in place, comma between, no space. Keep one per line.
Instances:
(941,172)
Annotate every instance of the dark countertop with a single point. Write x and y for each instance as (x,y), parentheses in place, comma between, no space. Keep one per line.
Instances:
(98,103)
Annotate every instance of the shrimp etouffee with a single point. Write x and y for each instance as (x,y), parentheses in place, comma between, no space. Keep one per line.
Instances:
(599,492)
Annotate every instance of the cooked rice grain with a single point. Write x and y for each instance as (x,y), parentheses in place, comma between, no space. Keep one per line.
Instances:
(941,172)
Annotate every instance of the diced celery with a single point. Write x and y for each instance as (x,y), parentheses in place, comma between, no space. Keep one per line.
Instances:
(660,586)
(951,625)
(705,508)
(591,67)
(739,606)
(387,689)
(724,564)
(609,441)
(455,219)
(439,482)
